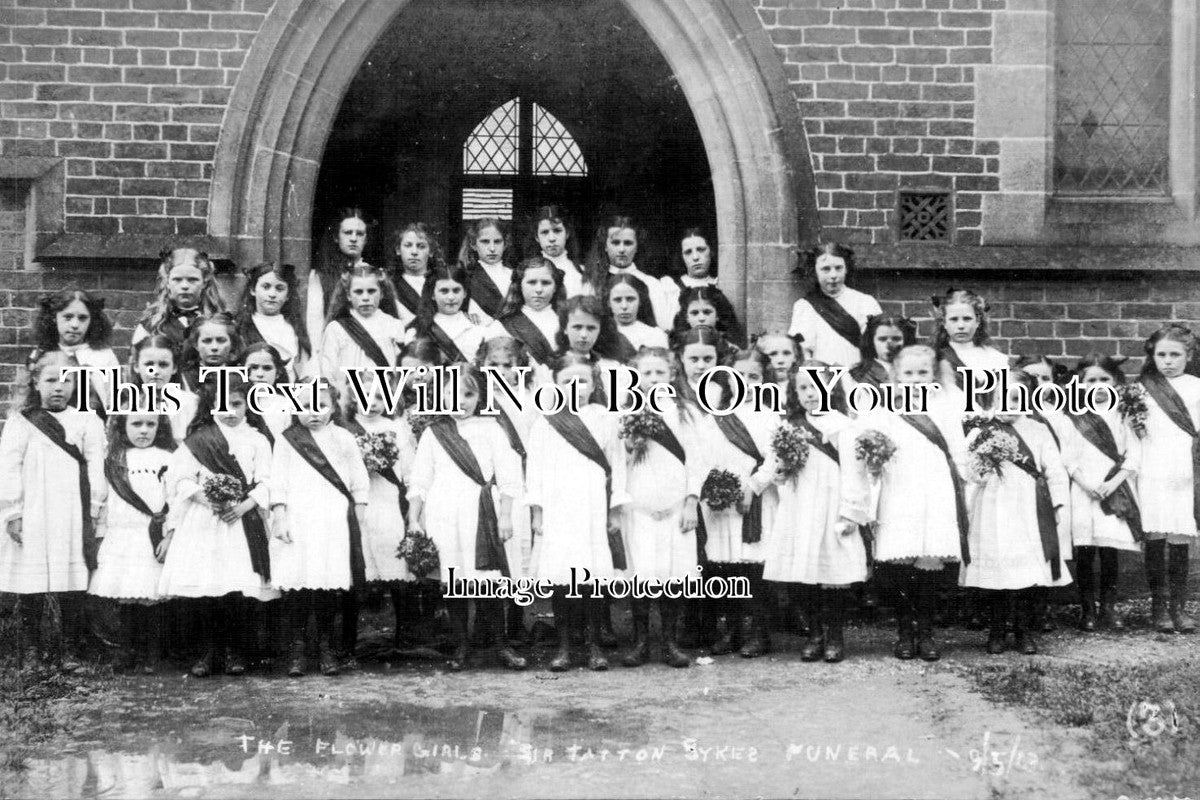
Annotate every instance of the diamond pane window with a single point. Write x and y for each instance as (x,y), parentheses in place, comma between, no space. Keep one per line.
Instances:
(1113,105)
(554,149)
(492,148)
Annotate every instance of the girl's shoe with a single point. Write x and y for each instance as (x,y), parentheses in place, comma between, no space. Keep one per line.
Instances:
(561,661)
(596,659)
(203,667)
(296,661)
(510,659)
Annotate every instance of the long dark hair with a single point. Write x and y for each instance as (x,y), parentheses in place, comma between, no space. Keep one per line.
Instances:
(468,258)
(46,325)
(428,307)
(1110,364)
(155,341)
(907,328)
(339,304)
(941,339)
(558,216)
(281,374)
(118,442)
(645,309)
(207,401)
(291,306)
(677,261)
(808,261)
(332,262)
(608,341)
(436,257)
(190,368)
(515,300)
(1175,333)
(726,323)
(596,272)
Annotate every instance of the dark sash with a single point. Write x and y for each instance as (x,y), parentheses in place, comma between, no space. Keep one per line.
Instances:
(355,330)
(510,430)
(738,435)
(871,372)
(571,428)
(249,333)
(446,344)
(406,295)
(1173,406)
(1122,502)
(522,329)
(212,451)
(1053,433)
(817,439)
(835,316)
(485,293)
(950,356)
(926,427)
(489,550)
(666,438)
(302,441)
(1047,526)
(390,475)
(118,481)
(53,430)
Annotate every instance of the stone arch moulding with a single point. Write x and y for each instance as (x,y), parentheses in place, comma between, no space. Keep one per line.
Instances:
(307,52)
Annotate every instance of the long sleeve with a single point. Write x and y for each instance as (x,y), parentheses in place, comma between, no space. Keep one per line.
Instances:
(506,464)
(333,344)
(1056,474)
(421,480)
(13,442)
(1132,447)
(618,461)
(280,470)
(183,476)
(698,461)
(94,447)
(856,480)
(535,463)
(260,472)
(764,477)
(358,480)
(314,309)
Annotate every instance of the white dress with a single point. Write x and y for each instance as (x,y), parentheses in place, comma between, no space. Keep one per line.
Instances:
(181,419)
(519,548)
(1088,467)
(804,545)
(546,322)
(466,335)
(279,333)
(977,357)
(277,411)
(642,335)
(573,281)
(318,557)
(916,515)
(96,361)
(659,548)
(384,522)
(570,489)
(340,353)
(208,557)
(822,340)
(724,528)
(451,498)
(39,484)
(660,301)
(674,289)
(1063,429)
(501,278)
(126,566)
(1005,540)
(1165,481)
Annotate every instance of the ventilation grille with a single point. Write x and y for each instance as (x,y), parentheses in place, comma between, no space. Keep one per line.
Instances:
(925,217)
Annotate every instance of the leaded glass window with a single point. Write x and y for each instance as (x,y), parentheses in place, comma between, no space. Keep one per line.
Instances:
(1113,97)
(554,149)
(492,148)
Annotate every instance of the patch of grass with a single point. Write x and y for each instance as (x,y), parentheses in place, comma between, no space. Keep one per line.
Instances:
(1154,759)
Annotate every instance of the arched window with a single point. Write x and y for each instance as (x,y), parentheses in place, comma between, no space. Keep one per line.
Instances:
(514,143)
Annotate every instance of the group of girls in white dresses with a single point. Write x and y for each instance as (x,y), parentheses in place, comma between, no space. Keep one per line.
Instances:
(227,510)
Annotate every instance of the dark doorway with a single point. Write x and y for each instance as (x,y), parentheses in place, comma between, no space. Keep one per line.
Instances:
(601,125)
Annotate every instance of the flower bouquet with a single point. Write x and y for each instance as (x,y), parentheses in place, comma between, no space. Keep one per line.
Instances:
(721,490)
(222,490)
(790,445)
(379,450)
(1133,408)
(874,449)
(638,430)
(990,450)
(419,552)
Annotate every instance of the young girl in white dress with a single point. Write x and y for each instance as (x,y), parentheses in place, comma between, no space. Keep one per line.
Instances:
(661,517)
(74,322)
(218,552)
(443,315)
(554,236)
(212,341)
(1103,456)
(1168,480)
(52,490)
(737,536)
(132,529)
(615,247)
(186,291)
(415,253)
(962,339)
(319,493)
(1016,509)
(783,354)
(264,365)
(530,314)
(340,250)
(922,512)
(576,487)
(154,362)
(831,316)
(487,256)
(457,461)
(625,303)
(359,333)
(270,312)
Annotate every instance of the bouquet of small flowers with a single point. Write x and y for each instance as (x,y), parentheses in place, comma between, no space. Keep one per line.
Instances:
(990,450)
(637,430)
(380,451)
(1132,406)
(419,552)
(972,421)
(721,490)
(223,490)
(420,422)
(874,449)
(790,445)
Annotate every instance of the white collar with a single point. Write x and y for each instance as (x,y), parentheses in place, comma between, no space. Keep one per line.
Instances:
(688,280)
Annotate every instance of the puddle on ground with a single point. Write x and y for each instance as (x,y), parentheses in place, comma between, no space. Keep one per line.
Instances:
(364,747)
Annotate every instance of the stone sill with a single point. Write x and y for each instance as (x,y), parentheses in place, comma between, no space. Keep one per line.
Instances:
(1112,211)
(1026,258)
(125,246)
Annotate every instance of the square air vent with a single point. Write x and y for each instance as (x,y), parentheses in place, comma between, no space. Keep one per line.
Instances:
(925,216)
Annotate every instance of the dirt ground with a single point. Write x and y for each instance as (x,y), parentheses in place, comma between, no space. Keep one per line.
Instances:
(772,727)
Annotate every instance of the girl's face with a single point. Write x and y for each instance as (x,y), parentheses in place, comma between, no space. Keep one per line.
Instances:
(73,322)
(961,322)
(888,341)
(582,331)
(621,246)
(468,398)
(376,404)
(155,366)
(54,389)
(537,288)
(751,373)
(503,363)
(352,237)
(701,312)
(260,368)
(448,295)
(421,371)
(414,253)
(781,352)
(1170,357)
(697,359)
(214,344)
(184,284)
(236,414)
(364,295)
(653,370)
(1039,370)
(914,368)
(489,246)
(1014,400)
(318,417)
(552,238)
(1096,374)
(623,300)
(831,274)
(270,293)
(582,376)
(697,257)
(141,429)
(807,391)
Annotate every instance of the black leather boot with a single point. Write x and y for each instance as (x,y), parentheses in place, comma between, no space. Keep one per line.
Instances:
(561,662)
(813,648)
(639,653)
(672,655)
(297,665)
(1179,590)
(927,648)
(1085,578)
(835,617)
(998,624)
(1026,635)
(1156,576)
(724,645)
(1110,615)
